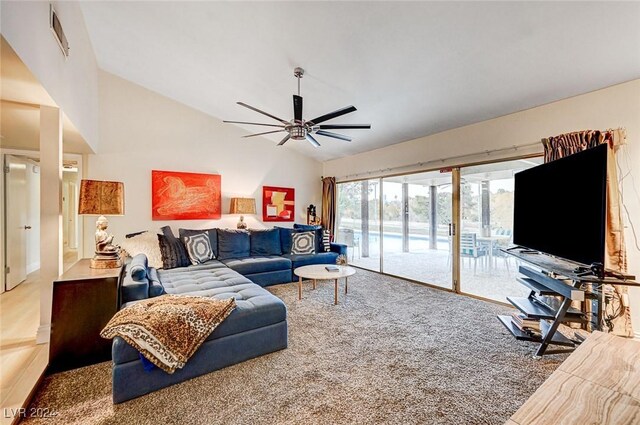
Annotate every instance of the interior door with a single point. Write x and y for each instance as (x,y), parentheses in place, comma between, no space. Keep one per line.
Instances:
(17,220)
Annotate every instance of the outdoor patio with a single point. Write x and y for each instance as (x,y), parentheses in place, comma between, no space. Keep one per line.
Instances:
(494,278)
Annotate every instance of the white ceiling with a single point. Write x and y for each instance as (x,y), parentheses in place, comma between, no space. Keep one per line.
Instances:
(411,69)
(21,95)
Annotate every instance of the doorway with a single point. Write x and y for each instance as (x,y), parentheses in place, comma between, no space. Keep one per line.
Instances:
(22,203)
(70,214)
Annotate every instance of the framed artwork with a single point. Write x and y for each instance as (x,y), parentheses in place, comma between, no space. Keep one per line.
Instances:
(185,196)
(278,203)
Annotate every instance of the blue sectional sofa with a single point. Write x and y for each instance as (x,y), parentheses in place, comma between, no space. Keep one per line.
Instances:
(246,261)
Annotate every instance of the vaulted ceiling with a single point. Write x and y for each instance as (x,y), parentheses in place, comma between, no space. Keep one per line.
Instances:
(411,69)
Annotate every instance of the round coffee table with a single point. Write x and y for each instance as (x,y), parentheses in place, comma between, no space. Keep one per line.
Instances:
(319,272)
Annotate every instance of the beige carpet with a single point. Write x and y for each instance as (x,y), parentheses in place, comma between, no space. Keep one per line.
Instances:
(391,352)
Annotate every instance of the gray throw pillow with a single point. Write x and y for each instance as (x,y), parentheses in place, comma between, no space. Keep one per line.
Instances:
(199,248)
(303,243)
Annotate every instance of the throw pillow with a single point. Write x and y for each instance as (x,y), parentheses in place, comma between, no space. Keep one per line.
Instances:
(303,243)
(171,253)
(213,237)
(180,252)
(144,243)
(198,248)
(326,240)
(318,234)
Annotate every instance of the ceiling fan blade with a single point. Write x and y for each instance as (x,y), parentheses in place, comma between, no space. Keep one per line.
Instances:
(332,115)
(334,135)
(263,113)
(260,134)
(253,123)
(283,141)
(313,141)
(344,126)
(297,108)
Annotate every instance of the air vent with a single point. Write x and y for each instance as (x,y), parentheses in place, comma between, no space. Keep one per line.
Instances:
(58,32)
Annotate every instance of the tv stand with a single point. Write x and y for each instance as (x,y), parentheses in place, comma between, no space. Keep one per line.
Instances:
(552,289)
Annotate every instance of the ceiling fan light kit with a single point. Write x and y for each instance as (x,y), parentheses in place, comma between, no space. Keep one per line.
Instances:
(298,128)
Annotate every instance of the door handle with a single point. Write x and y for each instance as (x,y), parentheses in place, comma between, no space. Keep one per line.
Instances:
(27,227)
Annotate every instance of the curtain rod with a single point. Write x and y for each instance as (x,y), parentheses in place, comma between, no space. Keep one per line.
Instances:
(440,160)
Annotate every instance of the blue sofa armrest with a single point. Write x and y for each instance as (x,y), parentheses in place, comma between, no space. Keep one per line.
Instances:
(339,248)
(133,290)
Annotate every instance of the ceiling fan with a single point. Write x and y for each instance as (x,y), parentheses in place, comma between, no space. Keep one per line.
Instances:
(300,129)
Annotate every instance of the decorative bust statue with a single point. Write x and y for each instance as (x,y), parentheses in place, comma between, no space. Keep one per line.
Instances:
(104,246)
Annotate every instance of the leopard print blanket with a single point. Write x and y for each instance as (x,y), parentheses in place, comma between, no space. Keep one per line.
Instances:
(168,329)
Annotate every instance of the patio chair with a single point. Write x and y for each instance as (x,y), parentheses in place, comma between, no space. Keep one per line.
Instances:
(469,248)
(499,246)
(348,238)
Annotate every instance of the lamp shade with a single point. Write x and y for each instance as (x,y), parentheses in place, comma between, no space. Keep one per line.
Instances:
(101,198)
(242,206)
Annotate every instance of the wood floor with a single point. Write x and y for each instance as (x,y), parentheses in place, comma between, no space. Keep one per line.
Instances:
(22,361)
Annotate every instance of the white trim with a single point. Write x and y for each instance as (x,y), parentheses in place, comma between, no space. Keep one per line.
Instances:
(637,335)
(43,334)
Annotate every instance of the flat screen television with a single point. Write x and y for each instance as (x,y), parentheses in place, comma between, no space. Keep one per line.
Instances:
(560,207)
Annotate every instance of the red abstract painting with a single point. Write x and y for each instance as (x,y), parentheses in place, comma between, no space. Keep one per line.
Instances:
(278,203)
(185,196)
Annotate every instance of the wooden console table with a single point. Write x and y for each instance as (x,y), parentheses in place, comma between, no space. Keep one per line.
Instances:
(596,384)
(84,300)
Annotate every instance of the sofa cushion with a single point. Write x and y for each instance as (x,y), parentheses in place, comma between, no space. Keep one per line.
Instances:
(138,267)
(255,306)
(265,242)
(285,238)
(303,243)
(317,231)
(213,236)
(233,244)
(251,265)
(308,259)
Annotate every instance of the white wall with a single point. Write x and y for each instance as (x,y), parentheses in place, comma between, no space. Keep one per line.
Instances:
(72,83)
(142,131)
(33,207)
(617,106)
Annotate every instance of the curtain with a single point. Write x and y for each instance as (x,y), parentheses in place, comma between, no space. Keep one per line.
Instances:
(329,204)
(615,252)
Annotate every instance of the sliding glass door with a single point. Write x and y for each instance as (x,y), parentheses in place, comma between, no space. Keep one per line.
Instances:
(403,226)
(416,211)
(358,222)
(486,225)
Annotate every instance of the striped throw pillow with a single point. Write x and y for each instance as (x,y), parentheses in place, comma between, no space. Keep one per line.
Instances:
(326,240)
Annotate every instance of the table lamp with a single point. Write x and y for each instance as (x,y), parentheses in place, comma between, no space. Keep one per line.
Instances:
(102,198)
(242,206)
